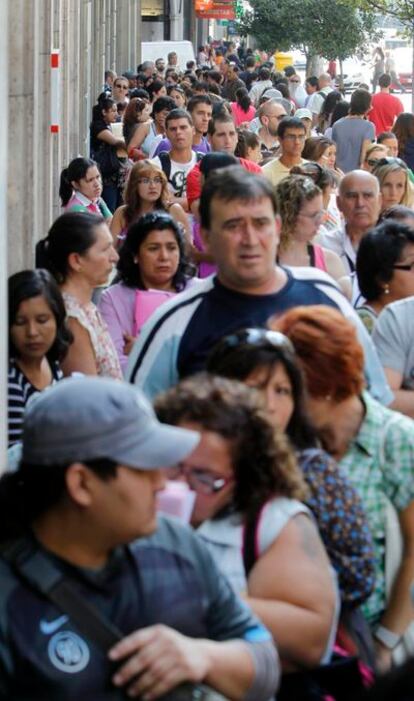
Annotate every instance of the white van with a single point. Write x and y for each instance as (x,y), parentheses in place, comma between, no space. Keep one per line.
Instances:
(151,50)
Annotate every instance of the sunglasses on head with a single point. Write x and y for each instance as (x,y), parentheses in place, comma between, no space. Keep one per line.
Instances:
(258,337)
(391,160)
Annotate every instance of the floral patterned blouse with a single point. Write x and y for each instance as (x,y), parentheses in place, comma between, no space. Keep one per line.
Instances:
(107,362)
(342,523)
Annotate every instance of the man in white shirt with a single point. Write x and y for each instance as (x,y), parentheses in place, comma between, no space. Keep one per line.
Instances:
(315,103)
(176,164)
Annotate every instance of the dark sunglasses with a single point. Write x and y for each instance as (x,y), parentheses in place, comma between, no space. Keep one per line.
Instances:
(257,337)
(391,160)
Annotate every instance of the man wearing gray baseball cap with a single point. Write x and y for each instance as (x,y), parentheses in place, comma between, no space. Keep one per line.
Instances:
(98,598)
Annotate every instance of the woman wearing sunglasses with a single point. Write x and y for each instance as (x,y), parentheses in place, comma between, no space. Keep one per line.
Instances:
(146,191)
(266,361)
(385,267)
(301,209)
(394,182)
(373,154)
(242,471)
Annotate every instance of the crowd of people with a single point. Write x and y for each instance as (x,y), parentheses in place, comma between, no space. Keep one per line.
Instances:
(221,314)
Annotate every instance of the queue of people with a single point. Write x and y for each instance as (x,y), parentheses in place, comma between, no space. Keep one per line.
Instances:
(221,316)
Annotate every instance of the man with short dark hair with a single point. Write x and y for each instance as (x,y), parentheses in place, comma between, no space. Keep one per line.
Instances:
(151,590)
(292,134)
(222,135)
(200,109)
(260,86)
(311,87)
(240,227)
(181,158)
(385,107)
(231,82)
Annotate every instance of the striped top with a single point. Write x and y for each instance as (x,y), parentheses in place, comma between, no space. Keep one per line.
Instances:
(19,392)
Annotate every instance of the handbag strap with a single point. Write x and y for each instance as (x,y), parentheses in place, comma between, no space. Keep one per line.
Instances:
(37,570)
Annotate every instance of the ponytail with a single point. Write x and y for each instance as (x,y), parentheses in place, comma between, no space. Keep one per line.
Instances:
(75,171)
(65,187)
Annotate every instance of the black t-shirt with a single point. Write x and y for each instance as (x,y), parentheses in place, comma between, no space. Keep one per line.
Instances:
(95,129)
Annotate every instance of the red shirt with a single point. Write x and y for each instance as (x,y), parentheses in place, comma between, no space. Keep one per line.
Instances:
(385,108)
(194,178)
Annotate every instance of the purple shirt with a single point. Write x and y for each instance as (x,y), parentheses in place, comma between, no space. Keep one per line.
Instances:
(165,145)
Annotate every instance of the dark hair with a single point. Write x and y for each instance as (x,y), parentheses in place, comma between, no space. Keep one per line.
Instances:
(104,103)
(141,93)
(34,283)
(313,81)
(403,130)
(198,100)
(163,103)
(33,490)
(236,357)
(178,113)
(222,116)
(72,232)
(130,121)
(230,184)
(243,99)
(315,147)
(340,110)
(322,177)
(75,171)
(330,102)
(246,139)
(214,75)
(290,123)
(155,86)
(263,462)
(283,89)
(289,71)
(128,269)
(250,62)
(398,212)
(214,160)
(378,252)
(384,81)
(360,101)
(264,74)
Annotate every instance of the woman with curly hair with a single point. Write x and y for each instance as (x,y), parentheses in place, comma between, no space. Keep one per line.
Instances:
(244,473)
(300,207)
(151,258)
(146,191)
(374,447)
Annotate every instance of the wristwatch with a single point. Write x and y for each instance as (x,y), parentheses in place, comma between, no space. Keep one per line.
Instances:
(389,639)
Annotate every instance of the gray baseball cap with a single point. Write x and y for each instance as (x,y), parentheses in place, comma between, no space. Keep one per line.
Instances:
(90,417)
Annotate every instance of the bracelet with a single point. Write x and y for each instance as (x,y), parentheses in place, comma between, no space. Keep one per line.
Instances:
(389,639)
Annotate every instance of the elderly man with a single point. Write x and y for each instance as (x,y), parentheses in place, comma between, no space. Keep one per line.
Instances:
(98,600)
(359,200)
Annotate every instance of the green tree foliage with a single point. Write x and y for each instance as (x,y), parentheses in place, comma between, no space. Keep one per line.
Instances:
(329,28)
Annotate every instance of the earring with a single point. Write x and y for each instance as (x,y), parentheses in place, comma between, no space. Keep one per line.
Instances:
(386,289)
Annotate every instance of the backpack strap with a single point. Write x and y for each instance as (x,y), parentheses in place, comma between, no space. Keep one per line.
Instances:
(165,160)
(41,574)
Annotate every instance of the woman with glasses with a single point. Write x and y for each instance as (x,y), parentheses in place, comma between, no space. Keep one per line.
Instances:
(385,267)
(300,207)
(246,479)
(146,191)
(120,90)
(374,447)
(266,361)
(152,258)
(327,180)
(394,182)
(373,154)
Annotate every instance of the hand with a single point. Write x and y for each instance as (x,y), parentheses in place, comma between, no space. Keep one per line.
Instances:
(383,657)
(129,342)
(157,659)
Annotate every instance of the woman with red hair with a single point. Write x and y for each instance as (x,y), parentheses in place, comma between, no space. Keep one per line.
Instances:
(373,444)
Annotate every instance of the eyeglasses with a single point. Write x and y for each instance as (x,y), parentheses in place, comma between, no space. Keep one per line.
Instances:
(199,479)
(150,181)
(314,217)
(409,267)
(258,337)
(391,160)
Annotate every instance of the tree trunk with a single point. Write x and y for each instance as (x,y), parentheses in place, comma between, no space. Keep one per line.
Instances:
(313,65)
(341,79)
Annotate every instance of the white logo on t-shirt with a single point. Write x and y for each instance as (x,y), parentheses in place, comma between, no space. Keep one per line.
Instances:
(68,652)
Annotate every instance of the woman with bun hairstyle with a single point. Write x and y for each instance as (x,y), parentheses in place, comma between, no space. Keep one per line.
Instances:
(80,188)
